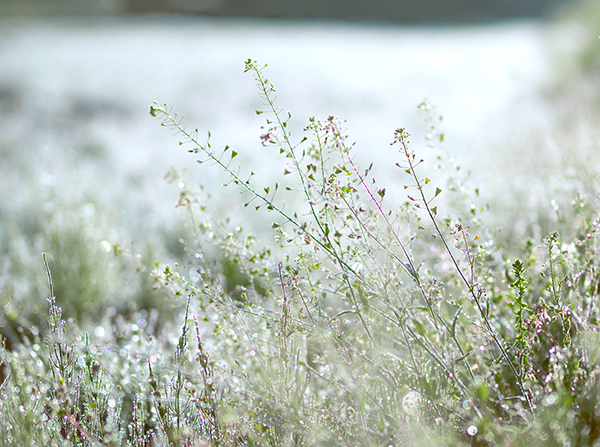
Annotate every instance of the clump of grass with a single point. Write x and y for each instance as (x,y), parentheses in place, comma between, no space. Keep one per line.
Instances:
(374,319)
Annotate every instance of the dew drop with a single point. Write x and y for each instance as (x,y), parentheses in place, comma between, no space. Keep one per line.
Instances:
(472,430)
(550,400)
(88,210)
(195,273)
(411,403)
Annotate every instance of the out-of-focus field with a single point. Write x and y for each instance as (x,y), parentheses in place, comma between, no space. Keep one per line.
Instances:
(78,91)
(80,151)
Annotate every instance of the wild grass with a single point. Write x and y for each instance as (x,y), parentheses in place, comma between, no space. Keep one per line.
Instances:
(381,315)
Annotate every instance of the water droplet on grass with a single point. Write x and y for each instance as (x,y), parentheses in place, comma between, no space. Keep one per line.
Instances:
(550,400)
(411,403)
(196,272)
(472,430)
(88,210)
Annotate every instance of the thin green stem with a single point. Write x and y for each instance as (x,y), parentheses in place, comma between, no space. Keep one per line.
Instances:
(401,136)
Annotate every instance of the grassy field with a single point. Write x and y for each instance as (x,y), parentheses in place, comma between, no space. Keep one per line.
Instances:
(419,313)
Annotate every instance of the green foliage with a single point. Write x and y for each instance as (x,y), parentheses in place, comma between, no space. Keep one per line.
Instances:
(369,321)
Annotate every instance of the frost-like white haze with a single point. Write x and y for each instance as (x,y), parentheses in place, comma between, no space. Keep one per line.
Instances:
(86,85)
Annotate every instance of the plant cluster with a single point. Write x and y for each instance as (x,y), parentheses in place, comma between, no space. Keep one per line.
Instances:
(379,317)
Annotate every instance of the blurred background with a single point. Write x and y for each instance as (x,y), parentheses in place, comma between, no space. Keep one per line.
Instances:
(393,11)
(82,162)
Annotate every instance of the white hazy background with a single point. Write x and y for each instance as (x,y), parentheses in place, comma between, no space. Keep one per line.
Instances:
(76,93)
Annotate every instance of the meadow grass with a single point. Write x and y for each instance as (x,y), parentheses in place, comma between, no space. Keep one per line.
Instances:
(380,315)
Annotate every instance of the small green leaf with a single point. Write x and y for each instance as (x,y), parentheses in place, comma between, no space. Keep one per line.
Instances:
(233,154)
(437,192)
(419,327)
